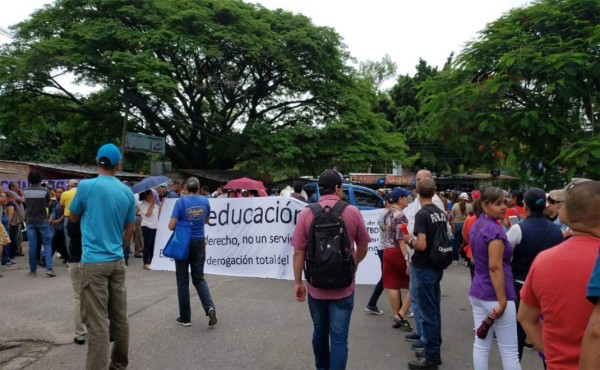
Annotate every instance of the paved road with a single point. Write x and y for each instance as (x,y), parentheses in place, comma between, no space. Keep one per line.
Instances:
(260,325)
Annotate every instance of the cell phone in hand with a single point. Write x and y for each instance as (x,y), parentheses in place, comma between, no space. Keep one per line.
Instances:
(513,220)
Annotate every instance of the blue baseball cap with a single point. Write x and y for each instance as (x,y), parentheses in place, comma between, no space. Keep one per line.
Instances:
(108,155)
(399,193)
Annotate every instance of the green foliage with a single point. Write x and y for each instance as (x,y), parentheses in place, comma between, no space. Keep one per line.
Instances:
(31,133)
(376,73)
(224,81)
(529,87)
(401,107)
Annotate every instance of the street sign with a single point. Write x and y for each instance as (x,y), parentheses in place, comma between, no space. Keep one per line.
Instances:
(135,142)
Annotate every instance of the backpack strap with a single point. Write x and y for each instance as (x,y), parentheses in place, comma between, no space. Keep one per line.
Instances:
(337,209)
(315,208)
(182,214)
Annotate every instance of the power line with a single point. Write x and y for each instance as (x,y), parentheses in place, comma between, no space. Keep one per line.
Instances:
(6,33)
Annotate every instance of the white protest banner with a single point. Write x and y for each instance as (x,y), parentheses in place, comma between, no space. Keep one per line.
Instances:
(369,270)
(251,237)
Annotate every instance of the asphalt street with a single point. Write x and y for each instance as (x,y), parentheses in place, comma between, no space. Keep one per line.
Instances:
(260,325)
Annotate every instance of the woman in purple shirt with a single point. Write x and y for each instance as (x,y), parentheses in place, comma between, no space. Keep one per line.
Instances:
(492,289)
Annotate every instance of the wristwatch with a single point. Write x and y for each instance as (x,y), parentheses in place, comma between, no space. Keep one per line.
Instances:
(410,242)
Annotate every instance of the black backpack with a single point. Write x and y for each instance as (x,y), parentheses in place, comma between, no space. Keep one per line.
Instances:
(328,262)
(440,253)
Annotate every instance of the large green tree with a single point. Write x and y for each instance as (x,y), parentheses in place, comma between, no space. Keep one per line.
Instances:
(527,91)
(209,75)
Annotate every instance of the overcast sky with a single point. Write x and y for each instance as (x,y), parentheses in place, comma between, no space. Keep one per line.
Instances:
(406,30)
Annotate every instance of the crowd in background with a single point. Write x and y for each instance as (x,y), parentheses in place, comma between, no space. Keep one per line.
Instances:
(531,255)
(519,246)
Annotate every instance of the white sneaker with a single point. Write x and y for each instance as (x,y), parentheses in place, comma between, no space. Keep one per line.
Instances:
(455,263)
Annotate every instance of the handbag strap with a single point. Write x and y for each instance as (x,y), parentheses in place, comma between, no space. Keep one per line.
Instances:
(182,209)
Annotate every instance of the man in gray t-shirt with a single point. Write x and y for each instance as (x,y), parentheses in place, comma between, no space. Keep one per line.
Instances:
(37,199)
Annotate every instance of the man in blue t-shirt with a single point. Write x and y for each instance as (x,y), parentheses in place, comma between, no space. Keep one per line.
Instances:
(106,209)
(195,209)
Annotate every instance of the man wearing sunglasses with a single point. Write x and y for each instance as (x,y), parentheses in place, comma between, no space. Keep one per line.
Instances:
(553,206)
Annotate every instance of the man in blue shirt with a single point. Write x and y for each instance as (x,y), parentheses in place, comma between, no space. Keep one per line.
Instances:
(195,209)
(106,209)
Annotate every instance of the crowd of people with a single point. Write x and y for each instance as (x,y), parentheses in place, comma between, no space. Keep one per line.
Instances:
(532,256)
(91,226)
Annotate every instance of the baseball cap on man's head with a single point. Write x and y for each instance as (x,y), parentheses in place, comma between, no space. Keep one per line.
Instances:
(73,182)
(399,193)
(535,199)
(108,155)
(329,179)
(560,195)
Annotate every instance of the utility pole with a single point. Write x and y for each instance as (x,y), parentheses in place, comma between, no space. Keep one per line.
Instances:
(124,137)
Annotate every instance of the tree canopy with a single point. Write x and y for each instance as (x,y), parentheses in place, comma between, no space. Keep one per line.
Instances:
(226,82)
(527,91)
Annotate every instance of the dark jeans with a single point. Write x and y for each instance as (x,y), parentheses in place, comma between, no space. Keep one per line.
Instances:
(458,240)
(13,233)
(5,253)
(149,236)
(74,231)
(32,236)
(331,320)
(195,261)
(520,332)
(59,244)
(414,301)
(428,293)
(379,287)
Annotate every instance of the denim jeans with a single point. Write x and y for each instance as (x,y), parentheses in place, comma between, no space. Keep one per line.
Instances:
(44,230)
(458,240)
(5,253)
(149,238)
(426,285)
(414,302)
(331,320)
(521,336)
(379,287)
(195,262)
(67,237)
(13,233)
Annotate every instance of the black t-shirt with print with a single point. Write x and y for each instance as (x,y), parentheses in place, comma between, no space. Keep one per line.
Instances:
(427,221)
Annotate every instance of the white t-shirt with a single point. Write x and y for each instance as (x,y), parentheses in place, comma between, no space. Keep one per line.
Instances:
(152,220)
(514,235)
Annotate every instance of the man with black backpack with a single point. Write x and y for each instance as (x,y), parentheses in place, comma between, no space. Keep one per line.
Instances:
(323,244)
(433,254)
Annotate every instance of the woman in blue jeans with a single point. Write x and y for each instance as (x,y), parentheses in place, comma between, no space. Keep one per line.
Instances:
(195,209)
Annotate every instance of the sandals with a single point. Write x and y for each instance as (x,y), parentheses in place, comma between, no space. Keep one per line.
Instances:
(400,323)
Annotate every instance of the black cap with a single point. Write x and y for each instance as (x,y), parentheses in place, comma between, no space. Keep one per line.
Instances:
(535,198)
(329,179)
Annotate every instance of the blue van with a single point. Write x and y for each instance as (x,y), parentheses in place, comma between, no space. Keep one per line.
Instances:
(362,197)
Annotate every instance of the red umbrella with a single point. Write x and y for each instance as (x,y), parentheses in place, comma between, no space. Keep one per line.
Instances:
(244,183)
